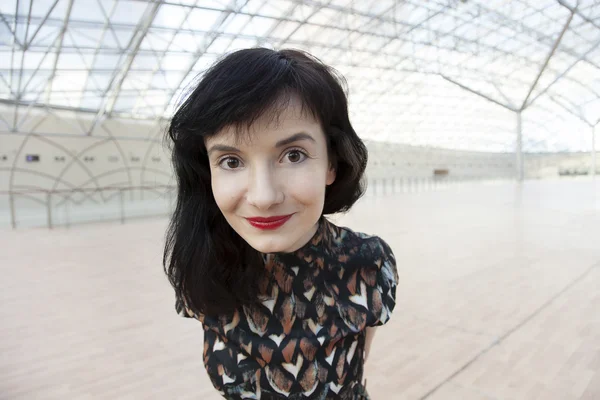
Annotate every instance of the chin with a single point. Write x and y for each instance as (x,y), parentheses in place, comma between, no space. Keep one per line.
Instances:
(267,248)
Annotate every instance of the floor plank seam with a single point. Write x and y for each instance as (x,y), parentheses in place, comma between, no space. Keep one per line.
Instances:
(478,391)
(511,331)
(455,327)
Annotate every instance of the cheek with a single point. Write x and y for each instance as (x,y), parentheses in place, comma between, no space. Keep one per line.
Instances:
(227,190)
(307,186)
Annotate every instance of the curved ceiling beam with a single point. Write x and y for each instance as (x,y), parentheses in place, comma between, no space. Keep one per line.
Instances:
(543,68)
(114,87)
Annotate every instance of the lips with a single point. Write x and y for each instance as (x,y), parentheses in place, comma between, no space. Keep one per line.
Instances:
(269,222)
(268,219)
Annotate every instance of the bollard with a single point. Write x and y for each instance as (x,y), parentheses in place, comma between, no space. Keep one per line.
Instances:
(13,218)
(122,201)
(49,209)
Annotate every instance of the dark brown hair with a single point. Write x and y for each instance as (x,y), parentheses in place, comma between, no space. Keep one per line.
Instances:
(212,269)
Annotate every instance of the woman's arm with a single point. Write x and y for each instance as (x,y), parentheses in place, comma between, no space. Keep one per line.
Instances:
(369,339)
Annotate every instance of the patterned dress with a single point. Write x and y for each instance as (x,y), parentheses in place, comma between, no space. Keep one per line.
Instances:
(307,339)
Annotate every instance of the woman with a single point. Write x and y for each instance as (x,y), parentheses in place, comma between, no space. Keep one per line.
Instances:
(262,149)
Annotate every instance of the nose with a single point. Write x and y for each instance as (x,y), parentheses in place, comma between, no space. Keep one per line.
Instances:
(264,189)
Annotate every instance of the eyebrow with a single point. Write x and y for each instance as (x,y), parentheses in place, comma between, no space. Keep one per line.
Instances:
(283,142)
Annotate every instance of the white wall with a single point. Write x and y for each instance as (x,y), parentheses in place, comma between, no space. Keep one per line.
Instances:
(125,154)
(398,160)
(120,154)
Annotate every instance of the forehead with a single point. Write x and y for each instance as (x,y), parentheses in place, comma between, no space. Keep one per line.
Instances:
(281,121)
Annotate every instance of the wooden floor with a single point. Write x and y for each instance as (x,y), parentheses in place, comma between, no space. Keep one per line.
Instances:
(499,298)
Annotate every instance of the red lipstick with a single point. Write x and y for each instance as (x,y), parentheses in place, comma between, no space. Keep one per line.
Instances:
(269,223)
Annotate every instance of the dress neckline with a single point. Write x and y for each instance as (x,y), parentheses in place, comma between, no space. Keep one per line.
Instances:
(318,240)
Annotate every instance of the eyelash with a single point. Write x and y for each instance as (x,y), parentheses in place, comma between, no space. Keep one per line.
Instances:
(220,161)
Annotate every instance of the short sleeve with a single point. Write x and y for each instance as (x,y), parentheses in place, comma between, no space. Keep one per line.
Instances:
(383,295)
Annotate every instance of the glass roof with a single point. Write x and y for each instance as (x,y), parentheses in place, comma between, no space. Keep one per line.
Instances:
(447,73)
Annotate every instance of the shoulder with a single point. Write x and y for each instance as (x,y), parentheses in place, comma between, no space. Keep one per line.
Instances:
(358,250)
(368,277)
(361,246)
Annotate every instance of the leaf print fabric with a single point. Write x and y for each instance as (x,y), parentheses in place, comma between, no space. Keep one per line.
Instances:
(307,338)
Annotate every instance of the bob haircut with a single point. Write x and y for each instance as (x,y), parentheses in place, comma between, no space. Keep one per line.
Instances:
(212,269)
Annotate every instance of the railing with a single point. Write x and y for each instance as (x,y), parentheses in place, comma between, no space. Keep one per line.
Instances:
(407,184)
(30,207)
(38,207)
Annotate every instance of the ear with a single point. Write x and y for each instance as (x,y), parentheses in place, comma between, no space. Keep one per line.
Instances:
(330,175)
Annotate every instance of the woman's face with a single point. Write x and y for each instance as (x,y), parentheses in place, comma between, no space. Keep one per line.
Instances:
(282,170)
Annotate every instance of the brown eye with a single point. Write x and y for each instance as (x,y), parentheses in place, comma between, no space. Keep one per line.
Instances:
(296,156)
(230,163)
(233,163)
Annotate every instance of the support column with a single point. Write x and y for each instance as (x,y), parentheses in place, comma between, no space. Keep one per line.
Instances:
(594,151)
(519,148)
